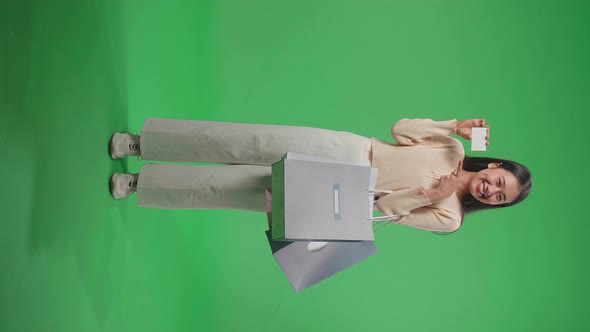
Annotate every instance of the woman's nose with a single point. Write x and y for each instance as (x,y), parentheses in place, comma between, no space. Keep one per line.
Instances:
(491,190)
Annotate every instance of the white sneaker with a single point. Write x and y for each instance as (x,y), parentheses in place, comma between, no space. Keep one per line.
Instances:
(123,145)
(123,184)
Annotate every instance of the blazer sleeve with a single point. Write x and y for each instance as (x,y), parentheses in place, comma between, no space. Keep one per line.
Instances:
(402,202)
(415,210)
(432,219)
(423,131)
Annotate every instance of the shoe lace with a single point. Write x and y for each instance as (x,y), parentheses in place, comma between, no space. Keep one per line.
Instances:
(133,183)
(134,147)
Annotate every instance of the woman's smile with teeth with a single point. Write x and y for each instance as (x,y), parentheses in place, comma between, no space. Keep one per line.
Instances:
(480,189)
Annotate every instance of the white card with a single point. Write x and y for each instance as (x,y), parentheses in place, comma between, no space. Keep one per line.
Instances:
(478,139)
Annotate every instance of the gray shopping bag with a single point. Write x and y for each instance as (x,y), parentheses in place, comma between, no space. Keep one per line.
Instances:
(306,263)
(304,267)
(316,199)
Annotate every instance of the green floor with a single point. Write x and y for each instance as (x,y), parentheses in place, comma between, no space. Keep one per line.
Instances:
(73,72)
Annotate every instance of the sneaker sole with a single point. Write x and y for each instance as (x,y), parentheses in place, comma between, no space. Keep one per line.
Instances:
(112,186)
(111,152)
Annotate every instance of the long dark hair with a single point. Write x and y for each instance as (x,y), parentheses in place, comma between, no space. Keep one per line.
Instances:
(470,204)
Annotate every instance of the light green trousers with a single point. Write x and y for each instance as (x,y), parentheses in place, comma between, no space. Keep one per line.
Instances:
(250,149)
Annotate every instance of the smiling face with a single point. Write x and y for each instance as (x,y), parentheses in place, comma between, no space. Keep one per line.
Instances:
(494,185)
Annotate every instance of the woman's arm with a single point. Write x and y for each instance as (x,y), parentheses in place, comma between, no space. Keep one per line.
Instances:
(417,131)
(432,219)
(415,209)
(403,202)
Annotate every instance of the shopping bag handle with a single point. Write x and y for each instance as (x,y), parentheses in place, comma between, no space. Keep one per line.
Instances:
(388,219)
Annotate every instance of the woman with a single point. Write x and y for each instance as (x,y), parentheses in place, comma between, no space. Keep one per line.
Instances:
(432,184)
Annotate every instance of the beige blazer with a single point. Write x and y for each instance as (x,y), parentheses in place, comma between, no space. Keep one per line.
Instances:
(423,151)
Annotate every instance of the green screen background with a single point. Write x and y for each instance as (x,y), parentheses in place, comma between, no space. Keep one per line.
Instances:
(73,72)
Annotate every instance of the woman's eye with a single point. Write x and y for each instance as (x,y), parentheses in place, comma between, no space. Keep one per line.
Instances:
(498,182)
(498,198)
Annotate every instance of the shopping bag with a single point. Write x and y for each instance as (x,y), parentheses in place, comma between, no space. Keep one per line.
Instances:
(304,268)
(317,199)
(304,265)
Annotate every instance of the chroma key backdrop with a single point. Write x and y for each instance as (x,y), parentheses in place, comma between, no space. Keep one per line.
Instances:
(73,72)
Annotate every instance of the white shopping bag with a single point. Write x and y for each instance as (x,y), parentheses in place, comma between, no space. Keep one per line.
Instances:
(317,199)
